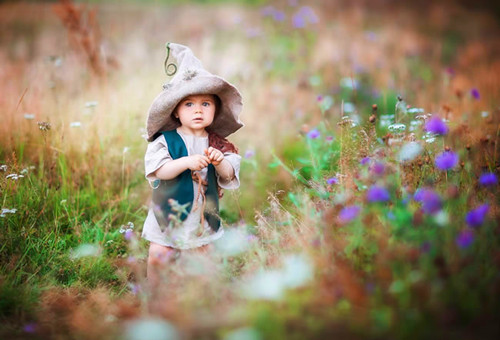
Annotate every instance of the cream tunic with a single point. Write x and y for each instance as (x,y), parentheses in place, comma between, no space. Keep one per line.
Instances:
(184,236)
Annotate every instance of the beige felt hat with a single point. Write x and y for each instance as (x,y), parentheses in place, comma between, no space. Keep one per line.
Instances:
(191,78)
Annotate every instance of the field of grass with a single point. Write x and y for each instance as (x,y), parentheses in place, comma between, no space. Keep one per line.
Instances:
(369,198)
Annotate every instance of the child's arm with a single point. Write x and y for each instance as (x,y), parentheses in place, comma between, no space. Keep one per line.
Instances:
(222,166)
(173,168)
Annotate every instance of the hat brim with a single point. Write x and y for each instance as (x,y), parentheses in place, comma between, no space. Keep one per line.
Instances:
(226,120)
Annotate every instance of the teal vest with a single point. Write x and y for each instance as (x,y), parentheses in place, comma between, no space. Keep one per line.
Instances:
(181,188)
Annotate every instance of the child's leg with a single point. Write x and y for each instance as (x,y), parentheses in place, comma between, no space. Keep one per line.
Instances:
(157,259)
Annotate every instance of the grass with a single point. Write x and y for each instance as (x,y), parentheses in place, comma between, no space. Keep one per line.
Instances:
(294,263)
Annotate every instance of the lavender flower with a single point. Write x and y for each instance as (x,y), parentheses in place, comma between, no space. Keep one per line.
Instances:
(475,217)
(377,194)
(446,160)
(313,134)
(436,126)
(475,94)
(332,180)
(488,179)
(249,153)
(364,161)
(429,199)
(465,238)
(30,327)
(377,169)
(349,213)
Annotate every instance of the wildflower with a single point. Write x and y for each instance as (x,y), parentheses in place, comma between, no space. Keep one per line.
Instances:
(378,168)
(29,116)
(75,124)
(364,160)
(475,217)
(7,211)
(465,238)
(332,180)
(475,94)
(397,127)
(305,15)
(44,126)
(377,194)
(30,327)
(410,151)
(429,199)
(349,83)
(436,126)
(3,167)
(249,153)
(446,160)
(484,114)
(329,138)
(129,234)
(313,134)
(488,179)
(125,150)
(349,107)
(14,177)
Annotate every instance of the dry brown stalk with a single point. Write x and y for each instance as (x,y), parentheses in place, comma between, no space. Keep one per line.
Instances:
(84,33)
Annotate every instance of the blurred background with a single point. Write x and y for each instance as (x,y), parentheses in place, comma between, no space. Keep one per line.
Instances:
(320,82)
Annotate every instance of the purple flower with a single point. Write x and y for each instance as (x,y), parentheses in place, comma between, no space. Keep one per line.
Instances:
(436,126)
(475,217)
(377,194)
(349,213)
(465,238)
(279,15)
(429,199)
(329,138)
(425,247)
(488,179)
(446,160)
(450,71)
(475,93)
(249,154)
(304,16)
(313,134)
(332,180)
(30,327)
(319,98)
(377,168)
(364,161)
(298,21)
(129,233)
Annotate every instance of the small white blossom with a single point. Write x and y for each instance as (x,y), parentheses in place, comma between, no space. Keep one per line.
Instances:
(75,124)
(29,116)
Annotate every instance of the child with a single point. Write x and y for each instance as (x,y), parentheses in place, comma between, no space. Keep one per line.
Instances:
(188,159)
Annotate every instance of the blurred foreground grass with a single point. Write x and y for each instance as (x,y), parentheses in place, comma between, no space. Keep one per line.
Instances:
(347,224)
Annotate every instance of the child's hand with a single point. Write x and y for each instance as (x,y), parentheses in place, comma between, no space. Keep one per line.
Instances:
(197,162)
(214,155)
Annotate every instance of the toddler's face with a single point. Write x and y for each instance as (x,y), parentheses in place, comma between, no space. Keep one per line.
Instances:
(196,112)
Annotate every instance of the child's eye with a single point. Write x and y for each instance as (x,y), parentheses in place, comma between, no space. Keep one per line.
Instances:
(188,104)
(206,104)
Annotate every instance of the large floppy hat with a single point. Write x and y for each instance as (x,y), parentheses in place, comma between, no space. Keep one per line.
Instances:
(190,78)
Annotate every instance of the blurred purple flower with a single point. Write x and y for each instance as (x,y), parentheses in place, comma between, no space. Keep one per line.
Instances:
(488,179)
(436,126)
(475,217)
(429,199)
(249,153)
(446,160)
(267,11)
(305,15)
(279,16)
(425,247)
(30,327)
(129,234)
(450,71)
(377,194)
(349,213)
(329,138)
(364,161)
(465,238)
(313,134)
(378,168)
(332,180)
(475,93)
(319,98)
